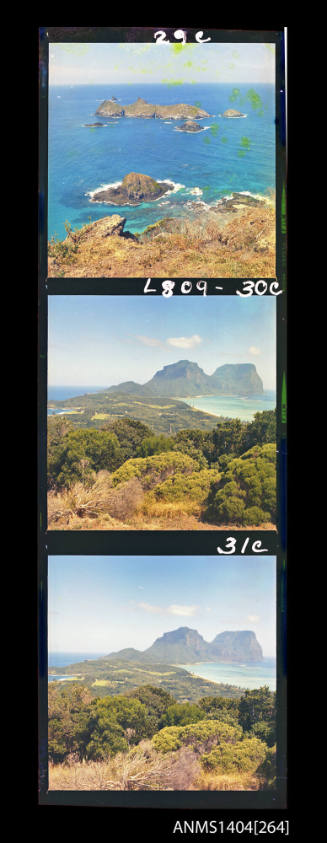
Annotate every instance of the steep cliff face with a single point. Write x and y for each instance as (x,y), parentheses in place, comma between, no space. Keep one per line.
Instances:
(182,378)
(236,646)
(240,378)
(177,646)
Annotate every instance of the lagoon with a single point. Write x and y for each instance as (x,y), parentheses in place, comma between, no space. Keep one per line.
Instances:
(234,406)
(254,675)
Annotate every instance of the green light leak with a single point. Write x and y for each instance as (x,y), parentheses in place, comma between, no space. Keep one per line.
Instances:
(251,96)
(284,400)
(283,211)
(172,82)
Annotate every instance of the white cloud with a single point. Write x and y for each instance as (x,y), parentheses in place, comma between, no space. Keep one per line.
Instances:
(187,611)
(184,342)
(173,609)
(254,350)
(253,618)
(151,341)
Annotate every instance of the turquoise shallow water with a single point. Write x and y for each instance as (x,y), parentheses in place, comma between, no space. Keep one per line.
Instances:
(244,675)
(232,406)
(228,155)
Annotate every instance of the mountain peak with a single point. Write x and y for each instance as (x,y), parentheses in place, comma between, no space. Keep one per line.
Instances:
(186,378)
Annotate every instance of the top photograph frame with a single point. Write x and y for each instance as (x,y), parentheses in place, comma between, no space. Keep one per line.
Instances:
(162,154)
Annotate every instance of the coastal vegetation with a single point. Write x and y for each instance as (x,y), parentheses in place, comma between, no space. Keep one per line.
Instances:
(145,739)
(121,474)
(222,241)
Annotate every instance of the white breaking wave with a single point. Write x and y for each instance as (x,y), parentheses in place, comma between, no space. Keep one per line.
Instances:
(102,187)
(195,191)
(175,185)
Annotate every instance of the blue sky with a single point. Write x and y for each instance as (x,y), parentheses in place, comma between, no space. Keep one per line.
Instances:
(87,64)
(102,604)
(104,340)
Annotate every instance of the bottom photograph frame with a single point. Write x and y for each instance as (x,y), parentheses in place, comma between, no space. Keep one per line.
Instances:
(163,682)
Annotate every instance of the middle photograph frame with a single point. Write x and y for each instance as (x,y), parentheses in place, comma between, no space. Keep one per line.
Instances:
(161,412)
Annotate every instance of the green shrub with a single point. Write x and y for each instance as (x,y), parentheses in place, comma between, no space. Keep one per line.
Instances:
(181,714)
(200,736)
(265,731)
(193,486)
(80,453)
(257,706)
(168,739)
(114,723)
(247,489)
(154,445)
(155,469)
(243,756)
(268,768)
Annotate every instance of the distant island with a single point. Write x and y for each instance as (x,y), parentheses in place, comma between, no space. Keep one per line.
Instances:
(190,126)
(142,108)
(231,112)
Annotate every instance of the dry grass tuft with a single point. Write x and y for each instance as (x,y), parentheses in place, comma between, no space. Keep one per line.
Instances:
(142,768)
(96,500)
(228,781)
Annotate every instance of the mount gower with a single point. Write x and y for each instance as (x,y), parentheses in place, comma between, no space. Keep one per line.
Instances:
(184,379)
(186,645)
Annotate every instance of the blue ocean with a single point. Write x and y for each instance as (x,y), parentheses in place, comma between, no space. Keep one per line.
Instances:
(62,393)
(59,659)
(228,155)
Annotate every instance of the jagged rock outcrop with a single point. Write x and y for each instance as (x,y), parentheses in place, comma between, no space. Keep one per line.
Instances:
(142,108)
(134,189)
(109,108)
